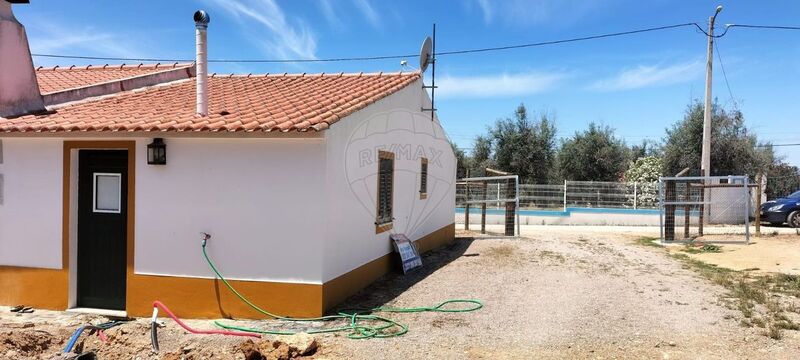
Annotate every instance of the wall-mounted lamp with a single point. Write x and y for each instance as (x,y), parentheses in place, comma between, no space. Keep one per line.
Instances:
(157,152)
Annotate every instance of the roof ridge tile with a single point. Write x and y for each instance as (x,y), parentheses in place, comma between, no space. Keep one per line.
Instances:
(123,66)
(270,102)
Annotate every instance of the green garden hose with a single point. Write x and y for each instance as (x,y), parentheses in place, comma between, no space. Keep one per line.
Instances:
(356,318)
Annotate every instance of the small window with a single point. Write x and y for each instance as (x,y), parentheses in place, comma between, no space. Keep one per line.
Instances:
(107,193)
(423,179)
(383,221)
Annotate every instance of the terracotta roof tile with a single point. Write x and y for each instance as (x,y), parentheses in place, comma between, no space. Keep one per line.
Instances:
(237,103)
(57,78)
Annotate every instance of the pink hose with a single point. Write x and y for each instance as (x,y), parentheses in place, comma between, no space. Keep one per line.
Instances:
(194,331)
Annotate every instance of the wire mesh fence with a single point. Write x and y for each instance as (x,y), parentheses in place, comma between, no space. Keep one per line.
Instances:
(584,194)
(706,209)
(493,196)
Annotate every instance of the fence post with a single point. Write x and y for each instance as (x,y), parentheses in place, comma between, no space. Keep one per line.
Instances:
(498,196)
(516,181)
(565,195)
(758,204)
(483,206)
(635,194)
(466,207)
(746,189)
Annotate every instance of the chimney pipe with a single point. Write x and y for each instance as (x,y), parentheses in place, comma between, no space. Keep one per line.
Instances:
(201,20)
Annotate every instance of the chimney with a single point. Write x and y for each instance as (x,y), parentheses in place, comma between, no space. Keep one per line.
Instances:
(19,91)
(201,20)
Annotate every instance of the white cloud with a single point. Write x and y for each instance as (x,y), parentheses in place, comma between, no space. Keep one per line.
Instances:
(330,15)
(48,36)
(497,85)
(285,37)
(367,10)
(651,76)
(487,10)
(334,19)
(535,12)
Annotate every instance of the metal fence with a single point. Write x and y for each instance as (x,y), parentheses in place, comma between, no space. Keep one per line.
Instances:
(706,209)
(496,193)
(584,194)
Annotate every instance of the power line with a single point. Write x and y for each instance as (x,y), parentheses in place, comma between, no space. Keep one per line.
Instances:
(454,52)
(370,58)
(730,26)
(724,74)
(777,145)
(774,27)
(593,37)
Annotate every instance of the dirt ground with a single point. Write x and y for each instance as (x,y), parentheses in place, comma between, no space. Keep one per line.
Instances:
(44,335)
(770,254)
(559,292)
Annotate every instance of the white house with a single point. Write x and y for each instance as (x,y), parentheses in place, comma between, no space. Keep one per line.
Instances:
(108,175)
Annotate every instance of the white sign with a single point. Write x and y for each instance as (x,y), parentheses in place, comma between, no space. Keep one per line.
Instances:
(408,252)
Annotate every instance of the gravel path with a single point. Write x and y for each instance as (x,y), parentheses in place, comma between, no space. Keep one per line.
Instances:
(561,294)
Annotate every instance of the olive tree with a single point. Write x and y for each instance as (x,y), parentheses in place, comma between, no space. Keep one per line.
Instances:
(525,147)
(594,154)
(734,149)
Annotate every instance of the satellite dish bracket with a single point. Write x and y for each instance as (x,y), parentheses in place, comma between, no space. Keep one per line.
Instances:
(427,56)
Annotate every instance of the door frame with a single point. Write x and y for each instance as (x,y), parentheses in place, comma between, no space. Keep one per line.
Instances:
(69,238)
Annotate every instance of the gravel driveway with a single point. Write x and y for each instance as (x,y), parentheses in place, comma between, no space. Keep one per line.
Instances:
(559,292)
(567,293)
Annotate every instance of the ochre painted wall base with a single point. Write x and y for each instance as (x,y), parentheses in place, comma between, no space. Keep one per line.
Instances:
(209,298)
(38,288)
(342,287)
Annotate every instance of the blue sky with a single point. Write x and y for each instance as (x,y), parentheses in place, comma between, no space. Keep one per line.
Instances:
(637,84)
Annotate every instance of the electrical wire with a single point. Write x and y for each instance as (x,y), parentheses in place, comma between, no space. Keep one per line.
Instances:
(553,42)
(75,335)
(730,26)
(774,27)
(444,53)
(725,75)
(157,304)
(381,57)
(154,327)
(777,145)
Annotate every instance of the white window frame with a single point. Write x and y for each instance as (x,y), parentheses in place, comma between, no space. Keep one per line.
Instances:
(94,193)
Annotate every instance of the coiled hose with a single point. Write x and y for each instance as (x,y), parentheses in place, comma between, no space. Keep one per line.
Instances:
(355,318)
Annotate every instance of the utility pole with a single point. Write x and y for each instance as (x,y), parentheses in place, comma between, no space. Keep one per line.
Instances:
(705,159)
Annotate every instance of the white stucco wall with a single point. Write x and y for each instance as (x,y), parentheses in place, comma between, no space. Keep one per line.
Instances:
(395,124)
(278,209)
(260,199)
(30,216)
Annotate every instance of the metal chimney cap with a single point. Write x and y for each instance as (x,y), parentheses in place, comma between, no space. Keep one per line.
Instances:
(201,18)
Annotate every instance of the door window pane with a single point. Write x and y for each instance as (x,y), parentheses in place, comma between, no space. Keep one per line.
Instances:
(107,193)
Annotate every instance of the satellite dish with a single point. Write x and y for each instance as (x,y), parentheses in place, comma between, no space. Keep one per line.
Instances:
(425,54)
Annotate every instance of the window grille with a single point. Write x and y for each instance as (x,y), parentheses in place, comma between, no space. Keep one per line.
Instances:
(385,186)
